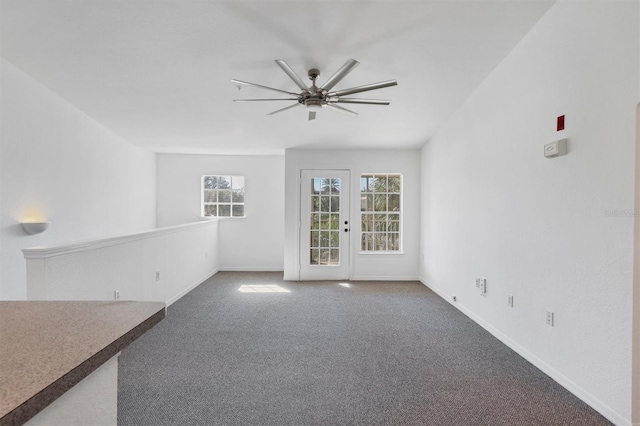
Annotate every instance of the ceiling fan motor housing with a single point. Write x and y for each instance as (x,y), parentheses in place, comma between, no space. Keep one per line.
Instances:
(314,102)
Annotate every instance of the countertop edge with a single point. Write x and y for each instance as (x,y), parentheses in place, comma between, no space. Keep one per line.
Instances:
(45,397)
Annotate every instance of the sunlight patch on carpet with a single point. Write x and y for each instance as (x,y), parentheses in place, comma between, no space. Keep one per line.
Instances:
(262,288)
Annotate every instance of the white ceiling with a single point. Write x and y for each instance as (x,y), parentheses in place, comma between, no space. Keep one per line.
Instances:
(158,72)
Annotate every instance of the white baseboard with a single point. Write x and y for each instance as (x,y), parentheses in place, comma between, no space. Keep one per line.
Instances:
(379,278)
(564,381)
(252,269)
(190,287)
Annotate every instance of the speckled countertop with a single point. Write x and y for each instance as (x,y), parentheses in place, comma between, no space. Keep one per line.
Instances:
(48,347)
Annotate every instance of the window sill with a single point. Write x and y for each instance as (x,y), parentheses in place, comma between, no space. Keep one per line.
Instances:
(205,218)
(378,253)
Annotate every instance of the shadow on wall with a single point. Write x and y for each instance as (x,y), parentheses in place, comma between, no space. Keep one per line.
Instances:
(16,231)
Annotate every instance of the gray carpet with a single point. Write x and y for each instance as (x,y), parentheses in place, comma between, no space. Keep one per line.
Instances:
(376,353)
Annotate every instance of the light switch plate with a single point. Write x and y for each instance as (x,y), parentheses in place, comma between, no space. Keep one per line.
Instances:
(555,149)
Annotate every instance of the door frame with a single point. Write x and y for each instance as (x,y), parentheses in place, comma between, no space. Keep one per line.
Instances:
(300,197)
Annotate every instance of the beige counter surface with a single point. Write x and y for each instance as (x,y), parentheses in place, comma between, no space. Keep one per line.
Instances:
(48,347)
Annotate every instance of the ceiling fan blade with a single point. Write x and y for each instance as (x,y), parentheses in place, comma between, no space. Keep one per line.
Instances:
(360,101)
(340,74)
(263,87)
(366,87)
(342,110)
(312,115)
(284,109)
(257,100)
(291,73)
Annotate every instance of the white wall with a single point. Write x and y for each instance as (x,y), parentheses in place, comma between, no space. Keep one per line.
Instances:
(252,243)
(364,266)
(56,163)
(158,265)
(538,228)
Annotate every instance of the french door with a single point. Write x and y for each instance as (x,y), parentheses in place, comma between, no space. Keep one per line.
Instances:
(324,224)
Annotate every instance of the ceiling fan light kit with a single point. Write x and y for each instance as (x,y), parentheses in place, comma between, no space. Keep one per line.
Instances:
(316,98)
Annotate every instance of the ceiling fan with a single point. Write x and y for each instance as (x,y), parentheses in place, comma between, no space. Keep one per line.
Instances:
(315,98)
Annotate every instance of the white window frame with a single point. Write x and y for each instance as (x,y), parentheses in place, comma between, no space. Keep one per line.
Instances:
(231,203)
(400,213)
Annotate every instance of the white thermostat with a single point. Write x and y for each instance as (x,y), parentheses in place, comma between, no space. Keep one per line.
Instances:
(555,149)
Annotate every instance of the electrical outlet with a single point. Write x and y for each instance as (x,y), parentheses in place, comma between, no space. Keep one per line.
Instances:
(481,283)
(510,300)
(116,294)
(158,276)
(549,318)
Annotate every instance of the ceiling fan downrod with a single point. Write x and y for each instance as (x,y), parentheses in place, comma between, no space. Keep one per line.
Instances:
(315,99)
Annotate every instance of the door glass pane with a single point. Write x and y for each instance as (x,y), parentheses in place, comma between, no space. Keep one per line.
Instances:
(334,239)
(315,221)
(325,222)
(324,239)
(325,203)
(393,184)
(325,219)
(316,185)
(335,203)
(335,186)
(380,184)
(324,256)
(335,221)
(326,186)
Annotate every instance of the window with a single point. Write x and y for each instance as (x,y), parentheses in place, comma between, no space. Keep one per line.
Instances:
(380,201)
(325,221)
(223,196)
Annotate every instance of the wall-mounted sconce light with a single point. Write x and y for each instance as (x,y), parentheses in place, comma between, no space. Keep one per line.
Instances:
(35,227)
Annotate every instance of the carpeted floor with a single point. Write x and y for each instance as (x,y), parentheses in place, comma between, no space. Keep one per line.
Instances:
(372,353)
